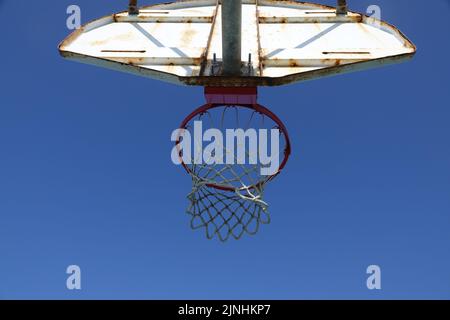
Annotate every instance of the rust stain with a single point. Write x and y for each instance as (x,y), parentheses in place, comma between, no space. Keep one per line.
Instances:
(293,63)
(99,42)
(153,26)
(187,36)
(171,68)
(130,61)
(197,61)
(121,37)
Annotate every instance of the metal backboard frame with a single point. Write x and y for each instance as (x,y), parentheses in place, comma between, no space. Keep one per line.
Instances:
(282,42)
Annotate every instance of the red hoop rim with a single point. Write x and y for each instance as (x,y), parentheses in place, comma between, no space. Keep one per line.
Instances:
(257,108)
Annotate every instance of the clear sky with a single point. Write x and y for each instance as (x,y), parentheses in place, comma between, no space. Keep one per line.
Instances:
(86,176)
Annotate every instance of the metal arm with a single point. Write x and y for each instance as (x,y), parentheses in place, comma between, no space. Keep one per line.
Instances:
(342,7)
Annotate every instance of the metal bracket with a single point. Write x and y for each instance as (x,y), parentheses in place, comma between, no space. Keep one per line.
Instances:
(249,65)
(215,66)
(133,8)
(342,8)
(232,95)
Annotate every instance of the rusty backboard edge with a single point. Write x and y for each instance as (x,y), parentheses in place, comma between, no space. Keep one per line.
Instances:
(295,78)
(122,67)
(219,81)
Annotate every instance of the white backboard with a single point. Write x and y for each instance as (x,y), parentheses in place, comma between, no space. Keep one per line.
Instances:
(286,41)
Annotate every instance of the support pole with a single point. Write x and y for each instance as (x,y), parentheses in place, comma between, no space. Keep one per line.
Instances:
(342,7)
(231,37)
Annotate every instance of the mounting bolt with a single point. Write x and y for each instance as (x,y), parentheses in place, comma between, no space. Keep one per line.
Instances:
(215,66)
(133,8)
(342,7)
(250,65)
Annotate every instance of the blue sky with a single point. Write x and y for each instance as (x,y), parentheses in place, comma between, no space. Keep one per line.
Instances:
(86,176)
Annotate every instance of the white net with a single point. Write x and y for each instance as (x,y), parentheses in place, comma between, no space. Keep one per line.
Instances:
(226,214)
(227,197)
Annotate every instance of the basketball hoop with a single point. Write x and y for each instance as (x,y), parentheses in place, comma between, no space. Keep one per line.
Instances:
(206,43)
(227,198)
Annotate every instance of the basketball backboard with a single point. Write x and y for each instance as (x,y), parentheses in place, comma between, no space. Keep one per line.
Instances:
(231,47)
(282,42)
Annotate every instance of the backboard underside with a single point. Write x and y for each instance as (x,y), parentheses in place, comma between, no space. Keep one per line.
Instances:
(282,42)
